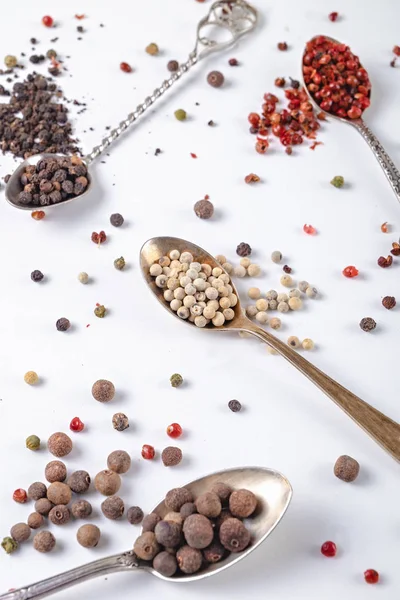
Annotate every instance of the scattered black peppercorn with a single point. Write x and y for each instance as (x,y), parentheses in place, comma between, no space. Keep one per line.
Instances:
(287,269)
(234,405)
(211,123)
(63,324)
(37,275)
(346,468)
(172,66)
(120,421)
(204,209)
(116,220)
(243,249)
(135,515)
(389,302)
(294,83)
(215,79)
(367,324)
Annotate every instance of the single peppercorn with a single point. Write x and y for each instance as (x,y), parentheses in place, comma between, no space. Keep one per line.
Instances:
(198,531)
(150,521)
(116,220)
(59,493)
(36,491)
(20,496)
(55,471)
(189,508)
(189,559)
(88,536)
(282,46)
(38,215)
(51,53)
(103,390)
(48,21)
(31,378)
(168,533)
(172,66)
(171,456)
(43,506)
(215,79)
(346,468)
(35,520)
(214,553)
(20,532)
(100,311)
(385,262)
(135,515)
(209,505)
(10,61)
(79,482)
(44,542)
(59,444)
(307,344)
(233,535)
(60,514)
(389,302)
(165,564)
(119,461)
(176,380)
(276,256)
(243,249)
(177,497)
(107,482)
(76,425)
(175,517)
(152,49)
(287,269)
(180,114)
(119,263)
(63,324)
(82,509)
(113,507)
(9,545)
(234,405)
(83,277)
(242,503)
(337,181)
(120,421)
(371,576)
(329,549)
(125,67)
(148,452)
(37,275)
(367,324)
(204,209)
(222,490)
(146,546)
(280,82)
(32,442)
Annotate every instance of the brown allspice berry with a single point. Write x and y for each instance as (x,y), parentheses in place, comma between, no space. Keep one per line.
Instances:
(225,514)
(165,563)
(242,503)
(172,66)
(43,506)
(107,482)
(37,490)
(135,515)
(113,508)
(103,390)
(20,532)
(120,421)
(150,521)
(346,468)
(119,461)
(189,508)
(59,493)
(79,482)
(168,533)
(214,553)
(81,509)
(389,302)
(171,456)
(55,471)
(198,531)
(59,444)
(215,79)
(177,497)
(146,546)
(222,490)
(233,535)
(35,520)
(175,517)
(209,505)
(204,209)
(88,536)
(189,559)
(59,515)
(367,324)
(44,542)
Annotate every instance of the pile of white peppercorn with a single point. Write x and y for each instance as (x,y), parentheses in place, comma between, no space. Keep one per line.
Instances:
(196,291)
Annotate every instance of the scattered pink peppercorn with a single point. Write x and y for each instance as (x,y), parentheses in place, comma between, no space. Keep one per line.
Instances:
(282,46)
(309,229)
(371,576)
(396,50)
(251,178)
(350,271)
(38,215)
(174,430)
(328,549)
(148,452)
(125,67)
(233,62)
(385,262)
(20,496)
(385,227)
(333,16)
(48,21)
(76,425)
(98,238)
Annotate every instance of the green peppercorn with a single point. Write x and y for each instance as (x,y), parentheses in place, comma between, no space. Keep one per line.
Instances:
(180,114)
(33,442)
(10,61)
(119,263)
(9,545)
(100,311)
(51,54)
(152,49)
(338,181)
(176,380)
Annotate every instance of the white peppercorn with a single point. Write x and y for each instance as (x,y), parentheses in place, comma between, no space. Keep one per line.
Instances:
(196,310)
(293,341)
(240,271)
(221,259)
(175,264)
(283,307)
(224,303)
(303,285)
(200,321)
(175,304)
(190,289)
(295,303)
(174,254)
(217,271)
(84,277)
(273,304)
(229,314)
(213,304)
(271,350)
(172,283)
(311,292)
(262,317)
(189,301)
(245,262)
(200,296)
(196,266)
(192,273)
(166,271)
(229,288)
(168,295)
(286,281)
(219,319)
(209,312)
(164,261)
(211,293)
(262,304)
(275,323)
(294,293)
(254,270)
(254,293)
(307,344)
(251,311)
(282,297)
(161,281)
(276,256)
(228,267)
(179,293)
(183,312)
(186,257)
(271,295)
(206,269)
(233,299)
(223,291)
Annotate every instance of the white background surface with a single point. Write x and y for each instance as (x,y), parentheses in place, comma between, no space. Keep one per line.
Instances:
(286,423)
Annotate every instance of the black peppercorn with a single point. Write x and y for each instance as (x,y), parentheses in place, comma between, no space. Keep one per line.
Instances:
(234,405)
(243,249)
(172,66)
(63,324)
(37,275)
(116,220)
(389,302)
(367,324)
(204,209)
(215,79)
(120,421)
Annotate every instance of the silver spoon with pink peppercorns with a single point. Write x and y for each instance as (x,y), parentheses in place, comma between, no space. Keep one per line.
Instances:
(380,427)
(273,492)
(337,83)
(227,19)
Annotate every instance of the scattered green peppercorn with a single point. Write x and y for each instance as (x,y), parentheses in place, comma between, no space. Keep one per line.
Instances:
(9,545)
(180,114)
(152,49)
(51,53)
(33,442)
(176,380)
(338,181)
(119,263)
(10,61)
(100,311)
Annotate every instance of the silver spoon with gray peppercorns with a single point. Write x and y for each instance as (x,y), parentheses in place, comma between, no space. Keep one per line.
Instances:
(272,491)
(196,289)
(47,180)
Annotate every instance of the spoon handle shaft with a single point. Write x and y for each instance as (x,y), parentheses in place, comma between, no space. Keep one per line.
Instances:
(52,585)
(380,427)
(388,166)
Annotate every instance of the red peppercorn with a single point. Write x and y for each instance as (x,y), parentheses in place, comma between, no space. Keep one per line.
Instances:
(385,262)
(38,215)
(233,62)
(309,229)
(288,150)
(98,238)
(396,50)
(20,496)
(371,576)
(48,21)
(333,16)
(350,271)
(282,46)
(76,425)
(125,67)
(148,452)
(354,112)
(262,146)
(328,549)
(174,430)
(254,119)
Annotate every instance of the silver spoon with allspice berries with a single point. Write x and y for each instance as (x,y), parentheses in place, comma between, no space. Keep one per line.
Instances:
(272,490)
(227,19)
(380,427)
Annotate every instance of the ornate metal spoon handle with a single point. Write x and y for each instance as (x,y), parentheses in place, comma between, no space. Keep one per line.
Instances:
(388,166)
(52,585)
(235,17)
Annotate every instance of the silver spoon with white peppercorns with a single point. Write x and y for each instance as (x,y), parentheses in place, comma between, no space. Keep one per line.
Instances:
(196,289)
(243,505)
(53,179)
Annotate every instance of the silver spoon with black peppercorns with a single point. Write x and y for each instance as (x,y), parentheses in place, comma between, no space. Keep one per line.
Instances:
(34,183)
(155,252)
(272,490)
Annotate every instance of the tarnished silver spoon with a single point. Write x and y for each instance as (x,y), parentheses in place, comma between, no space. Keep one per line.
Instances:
(272,489)
(380,427)
(234,18)
(389,168)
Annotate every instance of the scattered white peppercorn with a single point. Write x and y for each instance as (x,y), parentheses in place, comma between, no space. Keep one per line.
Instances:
(240,271)
(311,292)
(272,295)
(307,344)
(303,285)
(221,259)
(174,254)
(262,317)
(229,314)
(219,319)
(275,323)
(294,341)
(254,293)
(228,267)
(282,297)
(283,307)
(254,270)
(262,304)
(273,304)
(294,293)
(295,303)
(286,281)
(83,277)
(245,262)
(251,311)
(276,256)
(164,261)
